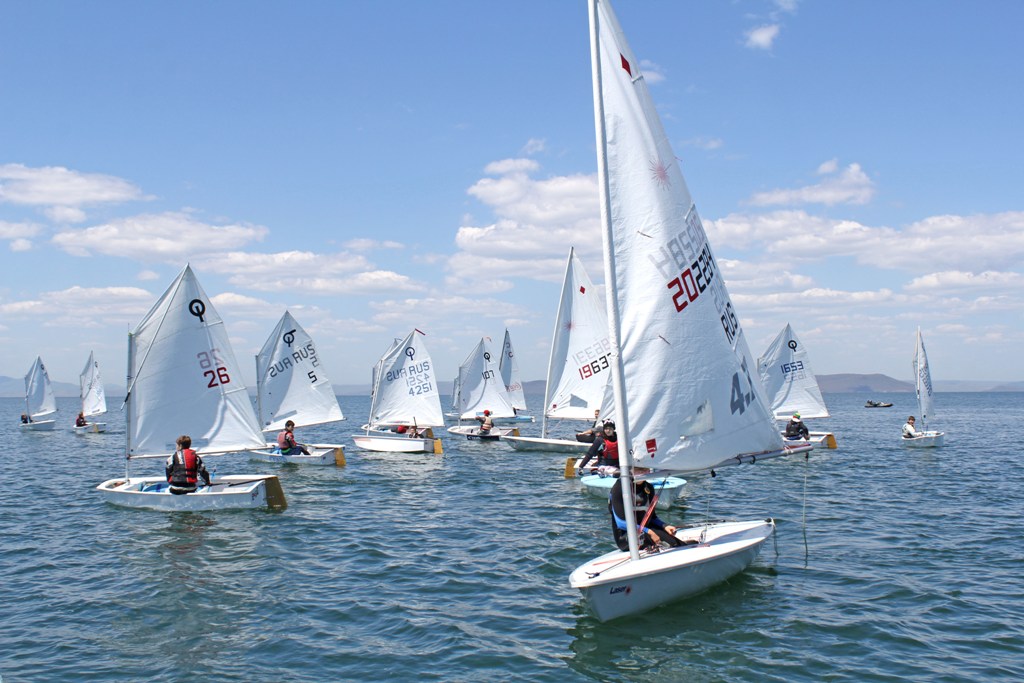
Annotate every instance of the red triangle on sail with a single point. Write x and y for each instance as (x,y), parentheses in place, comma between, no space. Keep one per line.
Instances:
(583,290)
(625,65)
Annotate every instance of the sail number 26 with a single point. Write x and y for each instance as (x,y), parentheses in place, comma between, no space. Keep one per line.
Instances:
(213,368)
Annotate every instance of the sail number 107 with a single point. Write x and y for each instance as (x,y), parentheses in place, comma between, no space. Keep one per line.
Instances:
(213,368)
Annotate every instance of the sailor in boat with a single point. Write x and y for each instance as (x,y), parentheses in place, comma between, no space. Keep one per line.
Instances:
(588,435)
(408,430)
(486,423)
(909,431)
(605,448)
(286,441)
(185,467)
(80,421)
(25,419)
(651,531)
(796,429)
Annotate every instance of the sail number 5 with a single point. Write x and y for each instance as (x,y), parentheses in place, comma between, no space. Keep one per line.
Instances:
(213,368)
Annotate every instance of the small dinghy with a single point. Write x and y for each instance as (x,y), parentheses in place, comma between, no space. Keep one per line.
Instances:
(405,405)
(291,384)
(183,379)
(667,488)
(925,401)
(40,401)
(94,400)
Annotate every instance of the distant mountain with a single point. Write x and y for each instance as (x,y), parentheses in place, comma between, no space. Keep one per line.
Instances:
(1010,386)
(850,383)
(14,387)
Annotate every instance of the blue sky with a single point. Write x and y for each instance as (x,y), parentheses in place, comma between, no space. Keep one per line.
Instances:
(374,167)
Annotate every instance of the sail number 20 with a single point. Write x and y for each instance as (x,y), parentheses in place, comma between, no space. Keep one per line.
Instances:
(213,368)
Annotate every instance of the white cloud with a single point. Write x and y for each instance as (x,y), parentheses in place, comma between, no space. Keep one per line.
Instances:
(65,214)
(960,280)
(762,37)
(534,146)
(146,275)
(703,143)
(59,186)
(10,231)
(652,72)
(850,185)
(83,306)
(170,237)
(21,245)
(506,166)
(367,244)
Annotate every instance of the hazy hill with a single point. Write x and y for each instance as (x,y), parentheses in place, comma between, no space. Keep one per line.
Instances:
(851,383)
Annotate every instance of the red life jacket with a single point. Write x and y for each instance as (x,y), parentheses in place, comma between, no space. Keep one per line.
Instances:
(184,470)
(285,440)
(610,453)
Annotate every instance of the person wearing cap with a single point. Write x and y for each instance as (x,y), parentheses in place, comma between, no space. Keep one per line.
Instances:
(651,530)
(605,448)
(486,423)
(909,430)
(796,429)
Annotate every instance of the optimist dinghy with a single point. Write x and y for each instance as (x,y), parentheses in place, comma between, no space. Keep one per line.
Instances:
(183,379)
(291,384)
(40,401)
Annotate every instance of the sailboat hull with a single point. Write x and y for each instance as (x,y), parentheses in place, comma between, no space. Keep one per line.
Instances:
(668,489)
(925,440)
(474,432)
(533,443)
(91,428)
(382,443)
(614,585)
(816,439)
(38,426)
(318,455)
(232,492)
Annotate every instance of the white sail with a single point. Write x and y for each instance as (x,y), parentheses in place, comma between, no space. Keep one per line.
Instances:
(923,381)
(183,378)
(688,396)
(39,398)
(509,368)
(788,379)
(580,364)
(480,386)
(405,389)
(94,400)
(291,381)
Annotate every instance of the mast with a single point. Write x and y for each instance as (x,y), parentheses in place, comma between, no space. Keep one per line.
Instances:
(128,405)
(611,301)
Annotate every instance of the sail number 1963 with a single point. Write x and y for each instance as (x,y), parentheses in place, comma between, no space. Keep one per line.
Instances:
(213,368)
(594,367)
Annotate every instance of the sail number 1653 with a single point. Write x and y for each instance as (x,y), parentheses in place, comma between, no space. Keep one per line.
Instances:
(213,368)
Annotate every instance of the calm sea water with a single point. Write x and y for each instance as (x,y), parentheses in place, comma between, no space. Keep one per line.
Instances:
(887,564)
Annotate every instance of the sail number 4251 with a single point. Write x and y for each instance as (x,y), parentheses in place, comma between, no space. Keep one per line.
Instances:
(213,368)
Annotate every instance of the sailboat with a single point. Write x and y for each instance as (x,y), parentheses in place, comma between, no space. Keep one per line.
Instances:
(509,369)
(183,379)
(790,383)
(685,398)
(39,399)
(480,390)
(94,400)
(925,402)
(578,366)
(291,384)
(406,398)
